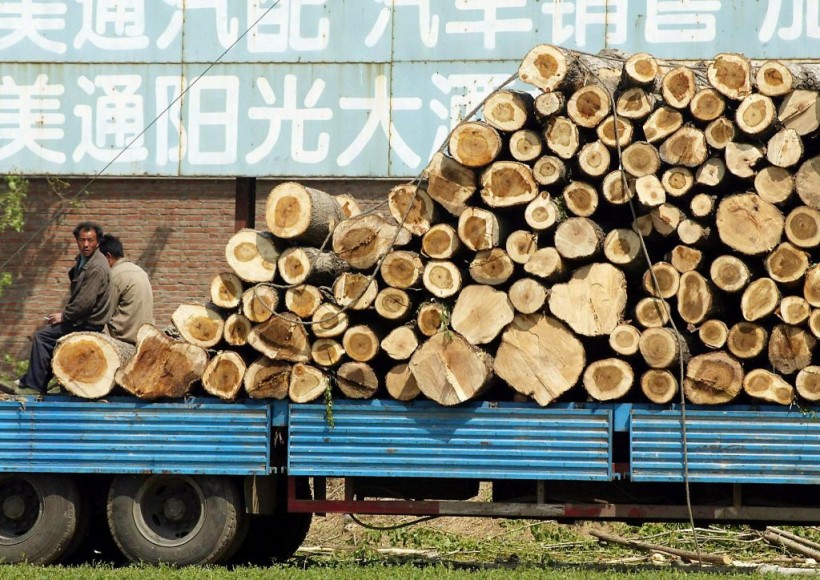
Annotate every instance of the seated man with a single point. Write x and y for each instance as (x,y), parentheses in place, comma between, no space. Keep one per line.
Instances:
(132,300)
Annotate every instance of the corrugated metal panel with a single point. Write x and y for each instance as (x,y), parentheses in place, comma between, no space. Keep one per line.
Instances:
(481,441)
(58,436)
(769,445)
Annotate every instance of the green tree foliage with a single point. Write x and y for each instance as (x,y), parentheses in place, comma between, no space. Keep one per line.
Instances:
(12,214)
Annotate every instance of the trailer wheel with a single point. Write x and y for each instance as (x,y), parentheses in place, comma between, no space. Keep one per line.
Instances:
(174,519)
(40,517)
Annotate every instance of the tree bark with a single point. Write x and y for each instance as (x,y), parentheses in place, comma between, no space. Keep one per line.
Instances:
(301,214)
(85,363)
(198,324)
(223,375)
(252,255)
(267,379)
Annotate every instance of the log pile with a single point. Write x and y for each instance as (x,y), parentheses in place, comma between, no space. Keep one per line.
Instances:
(625,229)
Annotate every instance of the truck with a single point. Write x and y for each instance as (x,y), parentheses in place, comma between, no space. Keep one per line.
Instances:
(199,481)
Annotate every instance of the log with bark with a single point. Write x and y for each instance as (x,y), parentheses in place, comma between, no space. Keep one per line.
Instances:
(85,363)
(301,214)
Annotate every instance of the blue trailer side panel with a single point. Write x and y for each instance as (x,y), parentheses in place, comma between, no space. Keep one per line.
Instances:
(479,441)
(63,435)
(731,445)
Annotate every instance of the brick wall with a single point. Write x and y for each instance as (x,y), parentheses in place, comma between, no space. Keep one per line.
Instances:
(175,229)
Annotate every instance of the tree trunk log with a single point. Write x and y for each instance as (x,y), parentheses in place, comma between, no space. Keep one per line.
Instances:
(793,310)
(526,145)
(588,106)
(678,87)
(747,340)
(226,290)
(774,184)
(756,115)
(357,380)
(259,302)
(508,110)
(401,269)
(641,159)
(787,264)
(267,379)
(492,267)
(198,324)
(549,170)
(562,138)
(450,183)
(731,74)
(759,299)
(223,375)
(785,148)
(548,104)
(441,278)
(363,240)
(677,181)
(720,133)
(696,298)
(791,348)
(475,144)
(802,227)
(546,264)
(303,300)
(712,379)
(431,318)
(281,337)
(527,295)
(326,352)
(237,327)
(580,199)
(355,291)
(252,255)
(579,238)
(807,383)
(663,348)
(649,191)
(635,104)
(662,123)
(481,313)
(615,133)
(594,159)
(592,302)
(541,214)
(769,387)
(666,218)
(412,208)
(811,286)
(608,379)
(748,224)
(440,242)
(625,340)
(662,280)
(729,273)
(393,304)
(743,158)
(361,343)
(479,229)
(800,111)
(85,363)
(686,146)
(807,182)
(301,214)
(774,79)
(713,333)
(521,245)
(685,259)
(329,321)
(307,383)
(659,386)
(707,105)
(622,247)
(401,384)
(618,187)
(350,208)
(652,312)
(299,265)
(400,343)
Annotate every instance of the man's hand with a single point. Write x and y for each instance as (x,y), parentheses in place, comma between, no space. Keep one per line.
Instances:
(55,318)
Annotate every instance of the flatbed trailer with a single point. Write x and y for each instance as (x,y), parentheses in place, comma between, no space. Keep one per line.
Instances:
(203,481)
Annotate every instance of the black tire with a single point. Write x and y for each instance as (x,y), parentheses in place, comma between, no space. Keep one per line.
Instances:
(176,519)
(40,517)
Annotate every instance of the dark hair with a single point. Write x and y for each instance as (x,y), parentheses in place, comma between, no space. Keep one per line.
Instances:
(87,227)
(111,245)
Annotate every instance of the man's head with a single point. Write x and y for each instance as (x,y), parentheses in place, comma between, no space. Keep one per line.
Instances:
(88,236)
(111,248)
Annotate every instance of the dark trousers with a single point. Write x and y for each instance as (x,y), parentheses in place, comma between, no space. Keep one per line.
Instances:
(45,340)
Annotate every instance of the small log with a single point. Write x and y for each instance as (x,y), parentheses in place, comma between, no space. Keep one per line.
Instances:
(747,340)
(226,290)
(703,205)
(223,375)
(357,380)
(791,348)
(635,104)
(659,386)
(348,204)
(481,313)
(527,295)
(666,218)
(807,383)
(521,245)
(85,363)
(722,560)
(355,291)
(794,310)
(649,191)
(363,240)
(811,286)
(686,146)
(774,184)
(731,74)
(162,367)
(546,67)
(432,318)
(561,136)
(412,208)
(400,343)
(588,106)
(802,227)
(786,264)
(479,229)
(742,158)
(766,386)
(361,343)
(807,182)
(392,304)
(614,132)
(643,225)
(508,183)
(492,267)
(756,115)
(259,302)
(474,144)
(661,280)
(579,238)
(625,340)
(774,79)
(508,110)
(281,337)
(548,104)
(800,110)
(580,198)
(301,214)
(298,265)
(237,327)
(608,379)
(329,321)
(592,302)
(307,383)
(401,269)
(441,278)
(449,183)
(618,187)
(525,145)
(549,170)
(622,247)
(713,333)
(641,159)
(785,148)
(713,378)
(594,159)
(252,255)
(545,263)
(652,312)
(678,87)
(729,273)
(198,324)
(748,224)
(326,352)
(720,133)
(759,299)
(685,259)
(440,242)
(692,233)
(267,379)
(539,357)
(303,300)
(640,70)
(662,348)
(814,323)
(677,181)
(401,384)
(449,370)
(711,172)
(707,105)
(696,298)
(662,123)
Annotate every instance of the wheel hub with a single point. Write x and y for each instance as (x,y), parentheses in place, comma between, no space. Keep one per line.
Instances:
(174,509)
(168,510)
(14,506)
(20,507)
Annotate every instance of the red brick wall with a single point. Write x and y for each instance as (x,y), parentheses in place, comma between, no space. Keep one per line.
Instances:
(175,229)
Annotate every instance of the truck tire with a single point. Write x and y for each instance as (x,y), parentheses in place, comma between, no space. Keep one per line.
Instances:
(40,517)
(175,519)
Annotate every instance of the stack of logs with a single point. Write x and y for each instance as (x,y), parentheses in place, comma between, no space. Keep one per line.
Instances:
(627,223)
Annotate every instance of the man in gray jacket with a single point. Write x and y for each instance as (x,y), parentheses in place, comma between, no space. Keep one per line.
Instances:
(88,308)
(132,300)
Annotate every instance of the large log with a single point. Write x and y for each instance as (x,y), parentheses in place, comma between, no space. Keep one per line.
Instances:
(481,313)
(85,363)
(508,183)
(267,379)
(508,110)
(301,214)
(791,348)
(162,367)
(731,74)
(307,383)
(592,302)
(712,379)
(198,324)
(252,255)
(474,144)
(401,384)
(223,375)
(767,386)
(748,224)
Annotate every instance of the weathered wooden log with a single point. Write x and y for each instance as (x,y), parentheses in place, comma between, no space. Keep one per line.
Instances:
(561,136)
(707,105)
(662,123)
(259,302)
(527,295)
(526,145)
(546,67)
(767,386)
(692,233)
(226,290)
(85,363)
(401,269)
(592,302)
(162,367)
(729,273)
(622,247)
(548,104)
(539,357)
(400,343)
(580,198)
(663,348)
(432,317)
(588,106)
(774,79)
(731,74)
(659,386)
(474,144)
(301,214)
(450,370)
(362,241)
(401,384)
(594,159)
(625,340)
(774,184)
(348,204)
(720,133)
(479,229)
(303,300)
(393,304)
(355,291)
(678,86)
(811,286)
(550,170)
(713,378)
(791,348)
(640,70)
(441,278)
(357,380)
(237,327)
(697,298)
(298,265)
(281,337)
(747,340)
(802,227)
(794,310)
(508,183)
(579,238)
(361,343)
(223,375)
(661,280)
(713,333)
(267,379)
(618,187)
(686,146)
(252,255)
(326,352)
(608,379)
(786,264)
(491,267)
(759,299)
(814,323)
(481,313)
(800,110)
(703,205)
(329,321)
(440,242)
(508,110)
(307,383)
(635,104)
(198,324)
(450,183)
(807,383)
(742,158)
(748,224)
(785,148)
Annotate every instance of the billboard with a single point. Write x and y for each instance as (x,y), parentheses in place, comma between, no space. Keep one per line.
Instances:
(312,88)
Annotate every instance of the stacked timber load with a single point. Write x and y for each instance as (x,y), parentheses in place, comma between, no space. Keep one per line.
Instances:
(625,229)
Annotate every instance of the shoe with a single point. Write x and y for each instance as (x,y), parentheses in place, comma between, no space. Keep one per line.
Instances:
(19,388)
